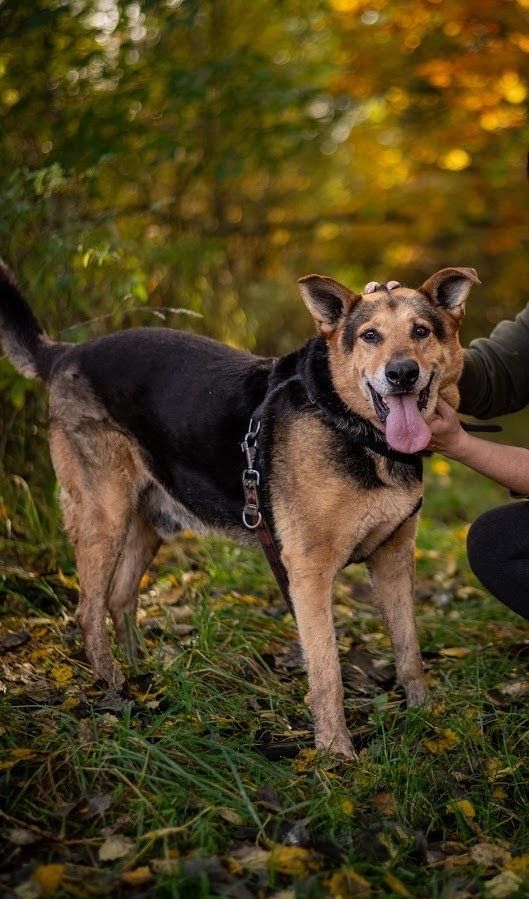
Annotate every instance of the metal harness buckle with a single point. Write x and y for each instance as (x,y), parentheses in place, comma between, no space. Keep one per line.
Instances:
(251,515)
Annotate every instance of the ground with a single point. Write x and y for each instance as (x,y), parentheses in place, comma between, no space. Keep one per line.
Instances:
(202,780)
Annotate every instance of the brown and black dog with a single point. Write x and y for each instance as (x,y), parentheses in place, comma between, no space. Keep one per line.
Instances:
(145,427)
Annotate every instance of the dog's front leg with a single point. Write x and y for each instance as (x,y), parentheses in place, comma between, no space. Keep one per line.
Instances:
(310,589)
(392,569)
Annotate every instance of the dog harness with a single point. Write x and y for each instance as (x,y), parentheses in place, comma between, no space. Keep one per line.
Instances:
(358,432)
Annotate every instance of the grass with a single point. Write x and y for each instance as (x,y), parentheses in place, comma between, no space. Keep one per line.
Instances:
(202,781)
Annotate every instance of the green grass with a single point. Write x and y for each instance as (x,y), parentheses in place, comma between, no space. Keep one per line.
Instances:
(207,767)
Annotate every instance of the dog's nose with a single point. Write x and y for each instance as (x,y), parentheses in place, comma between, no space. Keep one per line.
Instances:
(402,373)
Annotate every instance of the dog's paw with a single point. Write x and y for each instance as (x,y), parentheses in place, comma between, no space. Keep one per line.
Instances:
(416,693)
(337,744)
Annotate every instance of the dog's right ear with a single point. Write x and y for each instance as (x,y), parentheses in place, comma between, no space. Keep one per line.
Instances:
(327,300)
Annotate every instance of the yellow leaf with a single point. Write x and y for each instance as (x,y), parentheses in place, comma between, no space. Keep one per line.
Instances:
(440,467)
(396,885)
(454,652)
(62,674)
(347,807)
(305,760)
(347,883)
(145,582)
(462,805)
(48,878)
(519,864)
(293,860)
(447,741)
(137,877)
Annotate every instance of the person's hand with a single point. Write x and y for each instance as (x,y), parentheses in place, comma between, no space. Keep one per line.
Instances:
(448,437)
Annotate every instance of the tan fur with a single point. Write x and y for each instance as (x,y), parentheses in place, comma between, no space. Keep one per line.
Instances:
(321,520)
(101,476)
(348,369)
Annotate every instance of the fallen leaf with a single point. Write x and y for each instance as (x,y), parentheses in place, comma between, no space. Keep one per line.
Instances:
(514,688)
(62,674)
(293,860)
(251,857)
(347,806)
(385,803)
(454,652)
(115,846)
(49,878)
(489,855)
(98,803)
(462,805)
(347,883)
(444,743)
(504,884)
(519,864)
(305,760)
(137,877)
(19,836)
(396,885)
(13,639)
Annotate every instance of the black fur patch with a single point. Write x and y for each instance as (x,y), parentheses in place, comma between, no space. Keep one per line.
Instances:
(359,316)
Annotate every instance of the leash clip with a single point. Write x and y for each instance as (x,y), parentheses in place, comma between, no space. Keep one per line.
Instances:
(249,444)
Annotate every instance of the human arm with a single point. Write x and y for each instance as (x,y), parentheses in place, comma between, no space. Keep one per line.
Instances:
(495,379)
(507,465)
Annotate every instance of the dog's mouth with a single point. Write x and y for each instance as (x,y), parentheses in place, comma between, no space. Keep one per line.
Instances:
(406,429)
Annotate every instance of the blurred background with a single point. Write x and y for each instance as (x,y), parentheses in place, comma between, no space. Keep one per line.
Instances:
(184,162)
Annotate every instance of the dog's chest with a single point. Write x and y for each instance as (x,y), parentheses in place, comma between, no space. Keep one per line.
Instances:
(335,507)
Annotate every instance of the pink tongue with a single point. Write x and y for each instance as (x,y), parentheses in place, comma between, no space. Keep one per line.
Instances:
(406,429)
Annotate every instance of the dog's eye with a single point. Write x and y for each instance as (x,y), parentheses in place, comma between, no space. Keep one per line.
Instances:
(371,336)
(421,331)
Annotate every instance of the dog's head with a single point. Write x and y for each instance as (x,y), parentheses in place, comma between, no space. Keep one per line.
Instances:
(392,350)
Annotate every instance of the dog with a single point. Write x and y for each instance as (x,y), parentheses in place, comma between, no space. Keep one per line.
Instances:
(145,426)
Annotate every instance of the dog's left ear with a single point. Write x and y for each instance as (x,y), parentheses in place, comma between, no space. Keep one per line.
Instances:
(449,289)
(327,300)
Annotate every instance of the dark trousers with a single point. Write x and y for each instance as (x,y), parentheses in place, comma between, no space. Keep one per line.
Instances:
(498,553)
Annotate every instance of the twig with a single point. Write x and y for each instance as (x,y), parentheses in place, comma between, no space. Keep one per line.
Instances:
(167,831)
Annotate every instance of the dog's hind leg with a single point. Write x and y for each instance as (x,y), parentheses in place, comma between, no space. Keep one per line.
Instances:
(139,548)
(392,569)
(98,473)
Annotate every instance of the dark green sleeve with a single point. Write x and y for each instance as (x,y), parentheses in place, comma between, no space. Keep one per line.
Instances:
(495,379)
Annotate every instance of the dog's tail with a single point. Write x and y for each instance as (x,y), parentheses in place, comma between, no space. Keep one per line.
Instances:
(23,340)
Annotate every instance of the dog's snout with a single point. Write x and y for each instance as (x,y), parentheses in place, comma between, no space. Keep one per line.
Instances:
(402,373)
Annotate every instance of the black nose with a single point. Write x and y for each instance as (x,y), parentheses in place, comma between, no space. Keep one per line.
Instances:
(402,373)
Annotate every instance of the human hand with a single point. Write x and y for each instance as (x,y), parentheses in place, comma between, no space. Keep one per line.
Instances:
(448,437)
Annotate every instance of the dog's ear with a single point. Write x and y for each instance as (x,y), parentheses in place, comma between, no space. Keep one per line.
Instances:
(449,288)
(327,300)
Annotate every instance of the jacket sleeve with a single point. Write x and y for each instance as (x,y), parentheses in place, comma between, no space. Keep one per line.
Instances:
(495,379)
